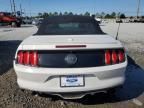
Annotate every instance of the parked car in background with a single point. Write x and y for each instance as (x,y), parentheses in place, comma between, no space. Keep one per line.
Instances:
(37,21)
(138,20)
(9,19)
(118,20)
(99,20)
(70,56)
(27,20)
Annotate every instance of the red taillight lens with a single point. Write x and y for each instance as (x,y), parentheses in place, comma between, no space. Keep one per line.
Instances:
(34,59)
(26,58)
(107,57)
(20,57)
(121,56)
(114,57)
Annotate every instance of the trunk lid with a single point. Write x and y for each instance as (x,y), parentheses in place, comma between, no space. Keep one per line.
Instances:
(49,42)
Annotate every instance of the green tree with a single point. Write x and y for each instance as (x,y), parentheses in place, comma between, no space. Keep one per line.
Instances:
(40,14)
(118,14)
(97,15)
(55,14)
(102,14)
(70,13)
(122,16)
(131,17)
(87,14)
(108,16)
(113,15)
(60,14)
(50,14)
(65,13)
(45,14)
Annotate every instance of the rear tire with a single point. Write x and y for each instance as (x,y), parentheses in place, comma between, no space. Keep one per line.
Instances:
(18,24)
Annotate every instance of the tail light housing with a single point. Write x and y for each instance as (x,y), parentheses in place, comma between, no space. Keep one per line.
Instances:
(114,56)
(109,57)
(27,58)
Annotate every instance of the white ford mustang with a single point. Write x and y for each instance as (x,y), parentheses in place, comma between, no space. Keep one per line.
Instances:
(70,56)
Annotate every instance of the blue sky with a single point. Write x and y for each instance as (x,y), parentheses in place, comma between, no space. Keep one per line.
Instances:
(76,6)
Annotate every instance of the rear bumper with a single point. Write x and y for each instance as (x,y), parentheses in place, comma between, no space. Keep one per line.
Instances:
(48,79)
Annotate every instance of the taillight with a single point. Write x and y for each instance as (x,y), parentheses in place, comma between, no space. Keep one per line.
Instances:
(107,57)
(121,56)
(114,57)
(27,58)
(20,57)
(34,59)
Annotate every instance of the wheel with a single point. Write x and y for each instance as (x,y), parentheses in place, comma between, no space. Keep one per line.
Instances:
(18,24)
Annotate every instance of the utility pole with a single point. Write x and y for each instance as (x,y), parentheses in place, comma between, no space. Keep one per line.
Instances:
(14,7)
(11,6)
(21,10)
(30,8)
(138,8)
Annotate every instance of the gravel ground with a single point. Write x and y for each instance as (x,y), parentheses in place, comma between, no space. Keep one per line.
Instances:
(130,96)
(21,33)
(129,32)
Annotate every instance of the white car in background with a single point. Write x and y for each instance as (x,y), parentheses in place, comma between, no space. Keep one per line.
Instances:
(70,57)
(99,20)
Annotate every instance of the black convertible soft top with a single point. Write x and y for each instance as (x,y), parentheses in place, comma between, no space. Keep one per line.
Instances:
(45,30)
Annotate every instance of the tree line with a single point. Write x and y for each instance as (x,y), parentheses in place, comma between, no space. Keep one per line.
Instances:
(99,15)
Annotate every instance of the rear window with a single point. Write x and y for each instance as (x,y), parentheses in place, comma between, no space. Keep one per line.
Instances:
(69,27)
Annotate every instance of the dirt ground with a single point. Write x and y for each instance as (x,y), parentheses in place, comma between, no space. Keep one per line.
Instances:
(130,96)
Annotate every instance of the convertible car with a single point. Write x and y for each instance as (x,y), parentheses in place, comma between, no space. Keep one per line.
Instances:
(70,56)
